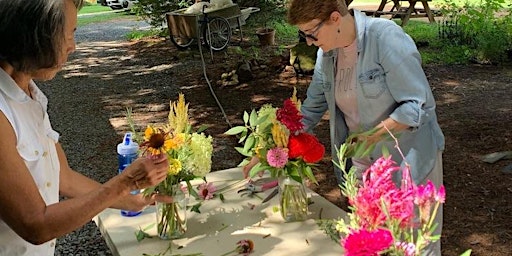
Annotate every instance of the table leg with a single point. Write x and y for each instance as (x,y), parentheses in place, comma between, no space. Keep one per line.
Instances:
(428,11)
(405,19)
(381,7)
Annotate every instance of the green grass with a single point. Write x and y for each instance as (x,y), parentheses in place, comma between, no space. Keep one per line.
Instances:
(139,34)
(85,20)
(94,8)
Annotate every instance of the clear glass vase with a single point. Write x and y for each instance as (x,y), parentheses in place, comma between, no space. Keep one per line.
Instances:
(171,218)
(293,200)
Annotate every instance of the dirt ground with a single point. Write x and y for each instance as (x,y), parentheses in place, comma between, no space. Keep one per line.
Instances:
(474,106)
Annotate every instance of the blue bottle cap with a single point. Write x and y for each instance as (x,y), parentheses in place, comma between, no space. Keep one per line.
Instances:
(128,146)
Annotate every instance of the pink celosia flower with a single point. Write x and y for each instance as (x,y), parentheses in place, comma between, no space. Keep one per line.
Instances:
(441,195)
(367,243)
(290,116)
(424,199)
(206,190)
(277,157)
(379,189)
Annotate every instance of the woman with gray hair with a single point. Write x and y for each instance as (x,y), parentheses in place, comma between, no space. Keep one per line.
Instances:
(37,37)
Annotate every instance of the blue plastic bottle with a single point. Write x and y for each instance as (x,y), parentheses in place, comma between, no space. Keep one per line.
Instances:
(126,154)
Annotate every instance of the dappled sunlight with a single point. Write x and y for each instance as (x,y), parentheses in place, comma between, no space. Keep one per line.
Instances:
(451,83)
(448,98)
(260,99)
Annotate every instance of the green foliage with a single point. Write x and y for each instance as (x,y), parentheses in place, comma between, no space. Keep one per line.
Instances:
(484,27)
(139,34)
(153,11)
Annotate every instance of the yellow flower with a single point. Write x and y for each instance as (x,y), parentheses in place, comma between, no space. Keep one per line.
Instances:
(174,166)
(279,135)
(178,115)
(294,98)
(156,141)
(175,142)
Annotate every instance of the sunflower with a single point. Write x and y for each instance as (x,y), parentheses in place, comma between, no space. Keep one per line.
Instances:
(156,141)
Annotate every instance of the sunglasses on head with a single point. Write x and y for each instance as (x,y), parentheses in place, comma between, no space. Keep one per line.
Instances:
(312,35)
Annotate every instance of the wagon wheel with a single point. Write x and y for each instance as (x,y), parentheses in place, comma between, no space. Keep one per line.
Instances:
(219,34)
(180,42)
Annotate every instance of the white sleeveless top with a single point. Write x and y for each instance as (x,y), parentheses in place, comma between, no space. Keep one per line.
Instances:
(36,145)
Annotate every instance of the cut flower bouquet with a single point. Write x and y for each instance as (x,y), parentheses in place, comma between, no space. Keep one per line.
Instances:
(189,154)
(276,138)
(387,219)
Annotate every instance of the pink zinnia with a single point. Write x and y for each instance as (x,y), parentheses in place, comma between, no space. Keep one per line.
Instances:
(290,116)
(277,157)
(206,190)
(367,243)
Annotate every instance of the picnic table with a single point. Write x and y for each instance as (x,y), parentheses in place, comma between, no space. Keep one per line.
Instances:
(220,225)
(403,12)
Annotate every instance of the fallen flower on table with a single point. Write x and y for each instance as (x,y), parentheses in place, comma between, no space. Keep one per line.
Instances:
(206,190)
(243,247)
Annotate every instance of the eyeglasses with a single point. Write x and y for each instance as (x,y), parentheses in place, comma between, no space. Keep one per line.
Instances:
(312,36)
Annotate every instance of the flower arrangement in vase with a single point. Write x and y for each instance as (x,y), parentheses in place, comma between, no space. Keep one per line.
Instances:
(276,138)
(189,154)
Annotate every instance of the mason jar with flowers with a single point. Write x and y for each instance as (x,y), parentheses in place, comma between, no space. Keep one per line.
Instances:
(275,137)
(189,154)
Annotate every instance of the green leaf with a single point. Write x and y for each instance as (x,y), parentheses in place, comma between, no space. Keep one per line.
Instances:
(243,136)
(235,130)
(140,235)
(202,128)
(246,117)
(191,190)
(221,197)
(249,143)
(385,152)
(466,253)
(253,118)
(256,169)
(309,173)
(262,119)
(195,208)
(244,153)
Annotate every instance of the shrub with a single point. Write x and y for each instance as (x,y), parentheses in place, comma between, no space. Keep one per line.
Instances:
(485,28)
(153,11)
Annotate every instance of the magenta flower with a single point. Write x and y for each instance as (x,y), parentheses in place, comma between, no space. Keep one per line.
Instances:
(379,189)
(367,243)
(441,195)
(207,190)
(277,157)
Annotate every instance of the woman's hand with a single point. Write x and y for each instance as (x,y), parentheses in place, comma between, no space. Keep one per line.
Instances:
(146,172)
(138,202)
(247,168)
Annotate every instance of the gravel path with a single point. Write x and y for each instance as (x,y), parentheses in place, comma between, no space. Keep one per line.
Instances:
(76,98)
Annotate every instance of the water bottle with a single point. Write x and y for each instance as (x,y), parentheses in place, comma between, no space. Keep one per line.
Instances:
(126,154)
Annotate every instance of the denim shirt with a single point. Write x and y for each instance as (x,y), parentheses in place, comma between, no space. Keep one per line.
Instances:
(390,82)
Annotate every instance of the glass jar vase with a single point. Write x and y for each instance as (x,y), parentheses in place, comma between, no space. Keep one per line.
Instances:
(293,199)
(171,218)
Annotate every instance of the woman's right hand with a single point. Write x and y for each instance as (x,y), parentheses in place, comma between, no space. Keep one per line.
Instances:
(247,168)
(146,172)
